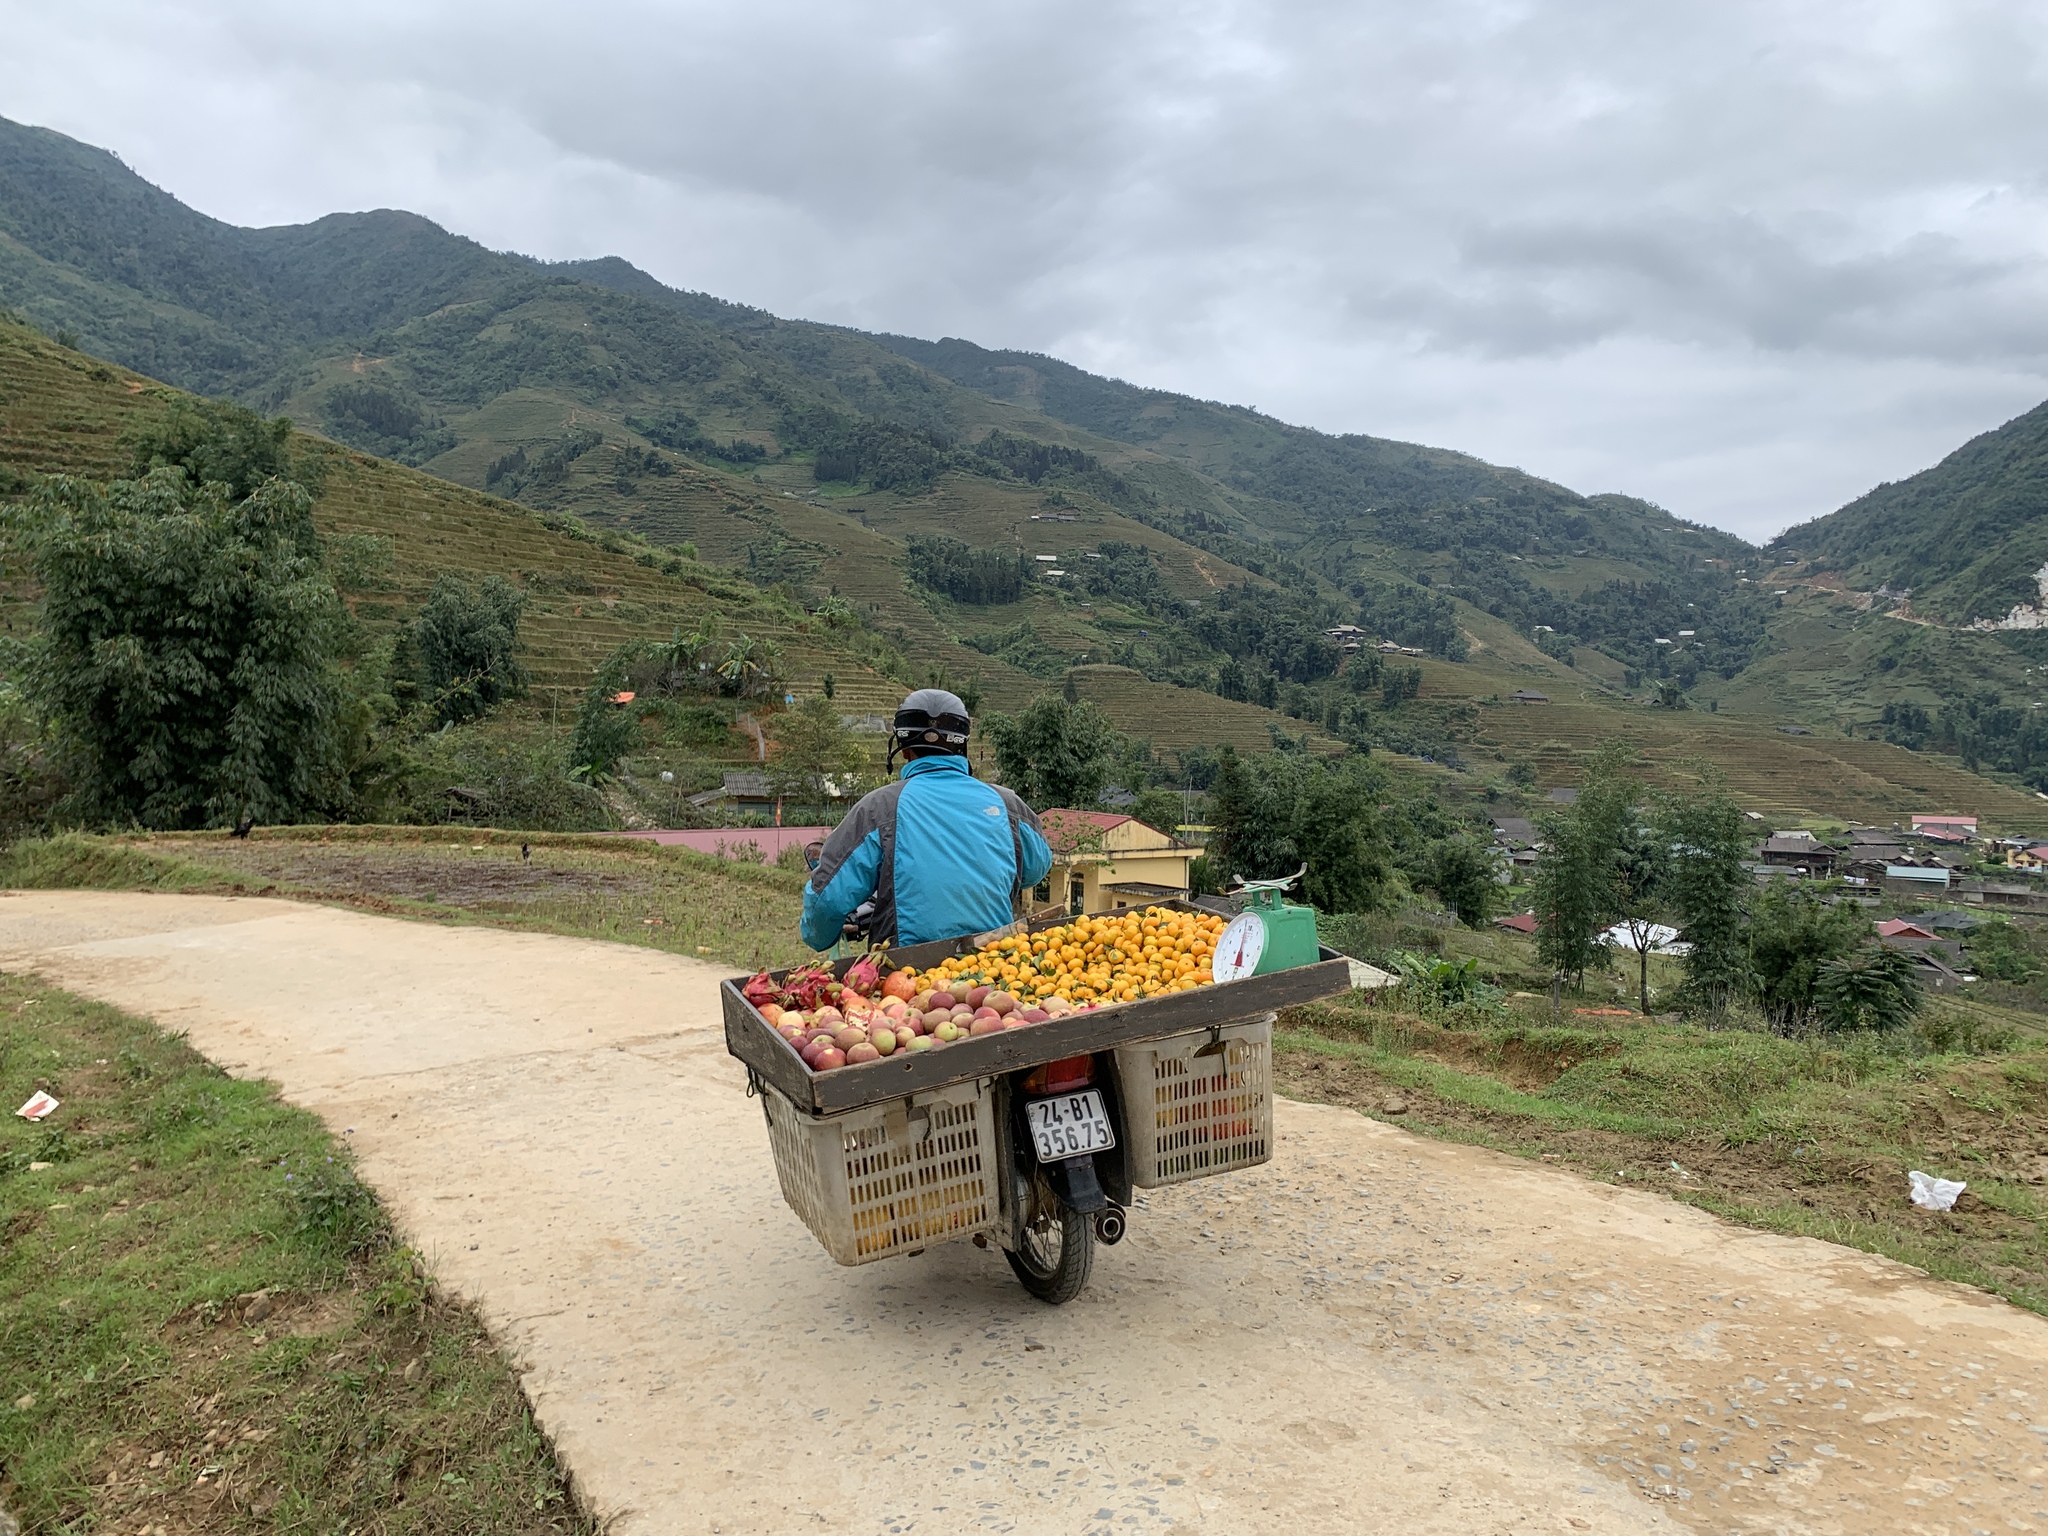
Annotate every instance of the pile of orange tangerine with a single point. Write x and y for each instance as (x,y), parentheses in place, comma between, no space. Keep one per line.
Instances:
(1114,957)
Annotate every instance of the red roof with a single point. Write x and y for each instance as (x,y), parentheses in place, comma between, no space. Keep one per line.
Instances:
(1899,928)
(1521,922)
(1065,829)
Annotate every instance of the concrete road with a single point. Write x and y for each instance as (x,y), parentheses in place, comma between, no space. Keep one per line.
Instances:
(1374,1333)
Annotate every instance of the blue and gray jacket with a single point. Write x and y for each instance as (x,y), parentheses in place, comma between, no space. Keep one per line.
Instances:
(941,853)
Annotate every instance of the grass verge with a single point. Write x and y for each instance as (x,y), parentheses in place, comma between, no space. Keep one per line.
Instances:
(206,1325)
(620,889)
(1792,1136)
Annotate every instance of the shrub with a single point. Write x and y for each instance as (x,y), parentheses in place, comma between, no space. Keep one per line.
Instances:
(465,639)
(188,666)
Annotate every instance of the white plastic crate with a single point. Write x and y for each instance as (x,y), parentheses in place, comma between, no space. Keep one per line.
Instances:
(1200,1103)
(890,1178)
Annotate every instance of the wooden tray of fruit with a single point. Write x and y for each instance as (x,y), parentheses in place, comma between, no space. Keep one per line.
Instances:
(951,1011)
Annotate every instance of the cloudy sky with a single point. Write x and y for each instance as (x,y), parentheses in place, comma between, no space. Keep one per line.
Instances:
(1744,259)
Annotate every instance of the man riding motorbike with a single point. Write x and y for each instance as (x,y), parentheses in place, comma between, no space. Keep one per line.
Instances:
(934,855)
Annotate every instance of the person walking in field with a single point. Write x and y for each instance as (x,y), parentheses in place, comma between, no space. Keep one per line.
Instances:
(935,855)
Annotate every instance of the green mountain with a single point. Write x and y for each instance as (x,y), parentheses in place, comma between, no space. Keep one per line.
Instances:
(1965,538)
(995,516)
(400,338)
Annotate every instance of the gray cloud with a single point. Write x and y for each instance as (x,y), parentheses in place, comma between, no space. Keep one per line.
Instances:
(1746,259)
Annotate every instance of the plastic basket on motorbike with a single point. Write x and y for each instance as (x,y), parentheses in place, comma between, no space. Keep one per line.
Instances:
(892,1178)
(1199,1104)
(1033,1134)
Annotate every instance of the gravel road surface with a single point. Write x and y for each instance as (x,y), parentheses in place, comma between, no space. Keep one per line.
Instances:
(1376,1332)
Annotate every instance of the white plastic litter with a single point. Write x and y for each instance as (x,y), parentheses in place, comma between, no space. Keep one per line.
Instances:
(39,1105)
(1932,1194)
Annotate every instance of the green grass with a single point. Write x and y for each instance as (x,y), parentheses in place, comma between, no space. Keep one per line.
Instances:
(1796,1136)
(205,1323)
(590,887)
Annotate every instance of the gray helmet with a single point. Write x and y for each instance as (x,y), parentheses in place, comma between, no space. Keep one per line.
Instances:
(933,720)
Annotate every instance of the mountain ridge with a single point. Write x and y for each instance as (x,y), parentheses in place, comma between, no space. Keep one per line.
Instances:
(590,387)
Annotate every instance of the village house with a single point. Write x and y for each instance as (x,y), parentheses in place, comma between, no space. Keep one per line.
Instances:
(2002,893)
(1947,828)
(1798,850)
(1104,861)
(1916,880)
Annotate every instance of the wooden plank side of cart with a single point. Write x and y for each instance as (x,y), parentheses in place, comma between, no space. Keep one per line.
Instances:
(754,1041)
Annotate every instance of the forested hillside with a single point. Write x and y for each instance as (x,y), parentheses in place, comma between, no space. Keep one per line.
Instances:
(1003,521)
(399,338)
(1965,538)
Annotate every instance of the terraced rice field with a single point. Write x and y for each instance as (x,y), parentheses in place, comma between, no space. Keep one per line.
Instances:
(63,413)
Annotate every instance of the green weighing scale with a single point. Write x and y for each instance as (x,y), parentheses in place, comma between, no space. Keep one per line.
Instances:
(1269,935)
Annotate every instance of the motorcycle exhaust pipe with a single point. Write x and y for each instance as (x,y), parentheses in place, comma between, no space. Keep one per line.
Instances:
(1109,1227)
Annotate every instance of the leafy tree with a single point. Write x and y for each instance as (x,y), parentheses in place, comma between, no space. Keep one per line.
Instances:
(1126,572)
(466,638)
(881,453)
(188,664)
(1274,814)
(219,442)
(1642,891)
(605,732)
(1574,887)
(1335,829)
(1710,887)
(814,753)
(30,784)
(1159,808)
(1463,873)
(1869,988)
(964,573)
(750,668)
(1793,934)
(2000,951)
(1055,752)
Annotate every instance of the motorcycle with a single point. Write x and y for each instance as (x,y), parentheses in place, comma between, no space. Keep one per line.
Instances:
(1061,1139)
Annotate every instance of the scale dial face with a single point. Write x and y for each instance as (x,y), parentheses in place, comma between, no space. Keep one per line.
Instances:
(1239,949)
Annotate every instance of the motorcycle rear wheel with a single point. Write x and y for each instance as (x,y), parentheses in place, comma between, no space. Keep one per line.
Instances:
(1053,1261)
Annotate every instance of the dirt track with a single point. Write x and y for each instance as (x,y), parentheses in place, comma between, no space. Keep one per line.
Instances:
(1375,1333)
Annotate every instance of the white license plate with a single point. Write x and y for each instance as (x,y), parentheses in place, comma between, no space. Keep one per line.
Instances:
(1069,1126)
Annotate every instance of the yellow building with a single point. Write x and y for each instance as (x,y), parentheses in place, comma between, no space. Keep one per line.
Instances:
(1103,861)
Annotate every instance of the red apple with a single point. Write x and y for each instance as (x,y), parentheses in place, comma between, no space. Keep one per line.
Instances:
(861,1053)
(827,1059)
(976,996)
(985,1025)
(1002,1002)
(944,1000)
(1034,1015)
